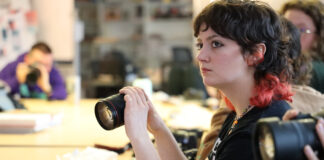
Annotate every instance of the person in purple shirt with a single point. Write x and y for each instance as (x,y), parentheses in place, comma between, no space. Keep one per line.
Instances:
(48,85)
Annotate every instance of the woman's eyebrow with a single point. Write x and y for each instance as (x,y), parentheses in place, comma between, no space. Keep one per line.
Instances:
(208,38)
(211,37)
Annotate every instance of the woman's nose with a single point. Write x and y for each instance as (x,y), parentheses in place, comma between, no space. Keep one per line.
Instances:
(202,56)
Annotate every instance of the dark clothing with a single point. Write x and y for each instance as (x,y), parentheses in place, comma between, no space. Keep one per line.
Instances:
(317,81)
(238,144)
(8,74)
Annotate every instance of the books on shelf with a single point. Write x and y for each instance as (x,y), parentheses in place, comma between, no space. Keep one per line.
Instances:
(27,122)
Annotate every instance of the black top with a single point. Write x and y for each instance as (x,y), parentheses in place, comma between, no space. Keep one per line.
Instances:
(238,144)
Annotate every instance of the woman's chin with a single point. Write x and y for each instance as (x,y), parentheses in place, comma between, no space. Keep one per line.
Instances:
(213,83)
(209,83)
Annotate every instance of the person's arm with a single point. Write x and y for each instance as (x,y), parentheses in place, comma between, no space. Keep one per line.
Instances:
(58,90)
(319,130)
(167,146)
(44,80)
(8,74)
(140,117)
(135,117)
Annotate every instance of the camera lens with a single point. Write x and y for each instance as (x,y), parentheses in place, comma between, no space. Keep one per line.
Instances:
(110,111)
(274,139)
(33,75)
(266,144)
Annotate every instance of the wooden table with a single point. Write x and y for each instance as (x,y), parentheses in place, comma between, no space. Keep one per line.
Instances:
(79,129)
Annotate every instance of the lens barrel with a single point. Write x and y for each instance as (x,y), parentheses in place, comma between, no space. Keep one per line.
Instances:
(110,111)
(33,75)
(289,139)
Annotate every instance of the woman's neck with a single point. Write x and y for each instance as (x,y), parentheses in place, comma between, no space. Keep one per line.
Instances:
(239,93)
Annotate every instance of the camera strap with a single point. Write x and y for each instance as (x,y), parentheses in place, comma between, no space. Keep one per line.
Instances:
(237,118)
(118,150)
(25,91)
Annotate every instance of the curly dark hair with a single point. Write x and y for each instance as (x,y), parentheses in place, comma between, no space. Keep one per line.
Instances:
(314,9)
(301,63)
(250,23)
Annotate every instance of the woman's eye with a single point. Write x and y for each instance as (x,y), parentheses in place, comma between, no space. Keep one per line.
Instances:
(216,44)
(199,46)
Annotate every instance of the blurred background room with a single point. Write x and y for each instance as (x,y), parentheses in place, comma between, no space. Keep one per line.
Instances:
(100,46)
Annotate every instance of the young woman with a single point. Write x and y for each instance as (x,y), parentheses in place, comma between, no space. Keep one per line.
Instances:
(241,52)
(304,99)
(308,17)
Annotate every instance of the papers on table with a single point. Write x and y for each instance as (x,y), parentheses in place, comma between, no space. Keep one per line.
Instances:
(190,117)
(25,122)
(89,153)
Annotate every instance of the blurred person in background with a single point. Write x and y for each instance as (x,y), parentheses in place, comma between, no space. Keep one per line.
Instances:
(33,75)
(308,16)
(305,99)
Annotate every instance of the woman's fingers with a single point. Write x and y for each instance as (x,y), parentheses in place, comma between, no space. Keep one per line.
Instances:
(129,92)
(142,96)
(137,94)
(309,153)
(320,130)
(292,113)
(128,98)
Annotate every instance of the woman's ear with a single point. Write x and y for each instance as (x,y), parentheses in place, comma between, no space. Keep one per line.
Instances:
(257,55)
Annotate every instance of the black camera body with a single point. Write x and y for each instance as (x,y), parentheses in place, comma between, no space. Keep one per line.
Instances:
(33,75)
(276,140)
(110,111)
(187,138)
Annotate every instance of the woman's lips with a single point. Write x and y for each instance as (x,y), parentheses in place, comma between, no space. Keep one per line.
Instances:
(205,70)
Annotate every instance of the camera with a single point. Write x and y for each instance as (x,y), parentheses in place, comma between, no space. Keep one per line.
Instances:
(187,138)
(276,140)
(33,75)
(110,111)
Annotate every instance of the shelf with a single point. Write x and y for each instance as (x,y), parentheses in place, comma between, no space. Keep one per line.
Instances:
(173,3)
(134,28)
(171,20)
(111,40)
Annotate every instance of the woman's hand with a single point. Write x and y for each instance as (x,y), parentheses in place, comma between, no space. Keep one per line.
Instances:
(139,105)
(136,112)
(319,130)
(290,114)
(136,116)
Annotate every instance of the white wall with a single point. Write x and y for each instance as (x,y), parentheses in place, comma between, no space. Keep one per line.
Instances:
(19,39)
(56,26)
(199,4)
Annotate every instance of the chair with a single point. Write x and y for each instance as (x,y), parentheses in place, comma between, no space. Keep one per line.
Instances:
(181,74)
(114,65)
